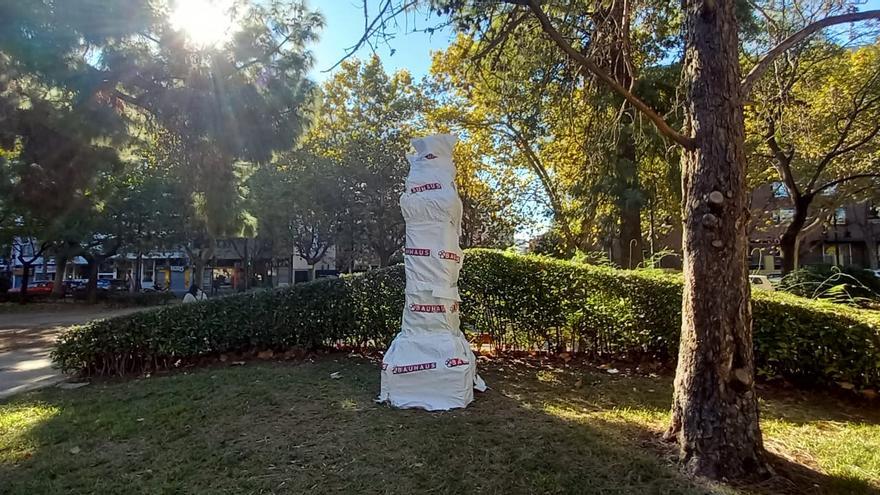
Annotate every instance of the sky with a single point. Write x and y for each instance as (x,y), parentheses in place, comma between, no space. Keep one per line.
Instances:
(345,24)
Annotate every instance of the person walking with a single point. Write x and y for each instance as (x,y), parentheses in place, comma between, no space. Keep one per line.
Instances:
(194,295)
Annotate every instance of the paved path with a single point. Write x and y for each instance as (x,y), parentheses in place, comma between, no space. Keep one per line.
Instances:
(26,340)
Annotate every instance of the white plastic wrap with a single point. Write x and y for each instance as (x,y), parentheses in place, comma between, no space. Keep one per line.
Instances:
(430,365)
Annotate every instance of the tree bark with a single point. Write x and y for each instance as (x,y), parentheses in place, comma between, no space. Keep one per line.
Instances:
(58,281)
(92,284)
(25,279)
(198,271)
(715,409)
(384,257)
(871,244)
(630,201)
(136,274)
(788,241)
(631,237)
(620,67)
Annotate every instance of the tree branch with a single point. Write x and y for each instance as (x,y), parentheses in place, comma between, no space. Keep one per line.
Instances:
(839,149)
(767,60)
(538,168)
(833,183)
(371,28)
(781,160)
(269,55)
(662,126)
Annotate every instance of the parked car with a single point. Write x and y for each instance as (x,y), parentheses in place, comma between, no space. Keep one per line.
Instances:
(875,272)
(105,286)
(42,288)
(761,282)
(74,284)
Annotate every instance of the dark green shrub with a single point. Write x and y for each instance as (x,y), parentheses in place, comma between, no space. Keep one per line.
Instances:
(124,298)
(519,302)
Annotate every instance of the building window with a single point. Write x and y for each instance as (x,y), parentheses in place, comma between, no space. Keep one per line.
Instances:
(149,266)
(838,254)
(783,215)
(840,216)
(779,190)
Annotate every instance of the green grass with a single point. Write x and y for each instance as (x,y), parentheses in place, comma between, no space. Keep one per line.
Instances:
(289,428)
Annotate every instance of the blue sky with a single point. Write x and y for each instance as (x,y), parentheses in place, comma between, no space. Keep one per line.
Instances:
(345,25)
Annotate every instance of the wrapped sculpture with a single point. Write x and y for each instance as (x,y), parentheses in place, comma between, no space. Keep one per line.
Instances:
(430,365)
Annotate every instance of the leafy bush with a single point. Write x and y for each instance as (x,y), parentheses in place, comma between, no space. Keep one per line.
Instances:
(125,298)
(517,302)
(849,285)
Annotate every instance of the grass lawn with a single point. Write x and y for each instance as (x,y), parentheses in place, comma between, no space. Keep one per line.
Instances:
(289,428)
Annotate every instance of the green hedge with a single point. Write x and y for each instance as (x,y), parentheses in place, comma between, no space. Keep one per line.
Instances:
(520,302)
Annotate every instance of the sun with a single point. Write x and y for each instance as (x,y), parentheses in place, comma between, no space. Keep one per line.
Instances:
(205,23)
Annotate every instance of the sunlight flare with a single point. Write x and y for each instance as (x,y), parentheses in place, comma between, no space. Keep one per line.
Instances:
(205,23)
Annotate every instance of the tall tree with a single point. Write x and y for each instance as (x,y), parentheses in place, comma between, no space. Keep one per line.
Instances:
(298,205)
(557,119)
(365,123)
(715,408)
(80,81)
(818,123)
(219,106)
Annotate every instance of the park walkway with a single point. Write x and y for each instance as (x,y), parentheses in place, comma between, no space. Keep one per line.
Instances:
(26,340)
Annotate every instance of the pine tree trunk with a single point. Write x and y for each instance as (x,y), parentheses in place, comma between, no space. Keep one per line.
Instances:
(630,202)
(715,410)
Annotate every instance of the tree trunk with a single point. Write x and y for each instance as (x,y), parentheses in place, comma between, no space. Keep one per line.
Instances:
(58,281)
(631,235)
(92,284)
(198,271)
(384,257)
(788,241)
(627,170)
(715,409)
(25,279)
(136,274)
(871,245)
(630,203)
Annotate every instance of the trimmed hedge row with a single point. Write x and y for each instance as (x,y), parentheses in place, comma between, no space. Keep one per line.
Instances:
(519,302)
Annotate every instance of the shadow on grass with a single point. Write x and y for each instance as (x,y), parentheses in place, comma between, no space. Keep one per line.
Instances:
(280,428)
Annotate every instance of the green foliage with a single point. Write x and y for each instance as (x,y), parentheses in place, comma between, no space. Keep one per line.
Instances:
(849,285)
(139,298)
(366,121)
(521,302)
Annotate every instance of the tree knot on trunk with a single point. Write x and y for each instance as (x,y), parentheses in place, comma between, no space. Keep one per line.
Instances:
(741,380)
(710,220)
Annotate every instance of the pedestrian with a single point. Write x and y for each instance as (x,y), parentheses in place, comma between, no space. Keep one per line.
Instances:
(194,295)
(215,285)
